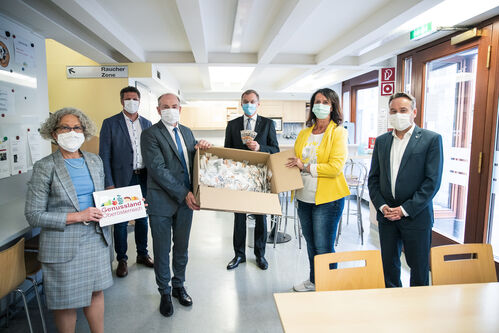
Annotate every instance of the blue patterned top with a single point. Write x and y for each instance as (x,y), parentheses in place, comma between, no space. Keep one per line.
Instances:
(82,182)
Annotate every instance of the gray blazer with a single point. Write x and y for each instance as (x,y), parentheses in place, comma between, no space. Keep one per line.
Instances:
(165,174)
(51,196)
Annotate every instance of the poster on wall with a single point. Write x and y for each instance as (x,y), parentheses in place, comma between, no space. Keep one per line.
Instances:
(24,52)
(6,100)
(18,163)
(35,144)
(5,50)
(4,157)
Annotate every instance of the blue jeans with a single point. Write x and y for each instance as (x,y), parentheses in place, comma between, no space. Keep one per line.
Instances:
(120,229)
(319,224)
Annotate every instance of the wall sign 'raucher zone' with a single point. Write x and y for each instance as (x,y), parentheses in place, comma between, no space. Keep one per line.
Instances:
(92,72)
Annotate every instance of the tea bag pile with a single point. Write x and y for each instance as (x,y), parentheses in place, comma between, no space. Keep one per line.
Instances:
(241,176)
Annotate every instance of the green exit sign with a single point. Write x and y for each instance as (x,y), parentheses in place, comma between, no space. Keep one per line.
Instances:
(422,31)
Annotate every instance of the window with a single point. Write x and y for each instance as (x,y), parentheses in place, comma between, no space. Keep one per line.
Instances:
(366,110)
(448,110)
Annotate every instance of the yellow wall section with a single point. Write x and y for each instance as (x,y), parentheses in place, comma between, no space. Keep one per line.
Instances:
(97,98)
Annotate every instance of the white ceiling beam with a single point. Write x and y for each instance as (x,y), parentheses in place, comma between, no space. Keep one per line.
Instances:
(190,13)
(94,17)
(369,31)
(244,59)
(291,18)
(170,57)
(240,21)
(294,59)
(45,19)
(378,25)
(394,47)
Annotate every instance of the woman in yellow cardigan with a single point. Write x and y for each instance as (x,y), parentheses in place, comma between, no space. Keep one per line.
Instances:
(321,150)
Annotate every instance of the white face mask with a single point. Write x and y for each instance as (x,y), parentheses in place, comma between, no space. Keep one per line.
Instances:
(400,121)
(71,141)
(170,116)
(131,105)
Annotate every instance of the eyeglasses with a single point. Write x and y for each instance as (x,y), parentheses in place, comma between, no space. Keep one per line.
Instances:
(66,129)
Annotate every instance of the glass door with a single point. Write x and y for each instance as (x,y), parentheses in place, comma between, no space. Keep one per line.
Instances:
(493,225)
(449,99)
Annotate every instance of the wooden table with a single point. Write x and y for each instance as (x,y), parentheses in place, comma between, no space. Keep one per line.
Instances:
(451,308)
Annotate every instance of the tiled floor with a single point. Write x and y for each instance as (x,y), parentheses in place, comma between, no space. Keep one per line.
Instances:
(224,301)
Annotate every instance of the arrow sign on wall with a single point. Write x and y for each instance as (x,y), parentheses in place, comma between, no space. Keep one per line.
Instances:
(105,71)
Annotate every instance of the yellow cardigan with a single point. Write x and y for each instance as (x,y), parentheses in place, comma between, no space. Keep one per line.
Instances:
(331,158)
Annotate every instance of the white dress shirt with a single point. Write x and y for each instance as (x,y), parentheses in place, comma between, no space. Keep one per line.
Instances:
(396,154)
(309,157)
(184,148)
(134,130)
(252,121)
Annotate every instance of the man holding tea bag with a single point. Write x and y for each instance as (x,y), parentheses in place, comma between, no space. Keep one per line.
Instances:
(259,135)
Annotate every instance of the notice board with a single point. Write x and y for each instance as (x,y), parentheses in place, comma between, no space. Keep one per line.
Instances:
(23,107)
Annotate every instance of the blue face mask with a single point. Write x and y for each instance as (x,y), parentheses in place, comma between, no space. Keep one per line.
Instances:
(321,111)
(249,109)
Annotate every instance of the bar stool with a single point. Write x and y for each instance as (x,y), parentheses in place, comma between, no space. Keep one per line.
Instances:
(356,177)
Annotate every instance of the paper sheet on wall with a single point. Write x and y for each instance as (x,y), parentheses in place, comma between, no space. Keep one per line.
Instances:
(4,157)
(382,121)
(24,52)
(35,142)
(6,100)
(18,163)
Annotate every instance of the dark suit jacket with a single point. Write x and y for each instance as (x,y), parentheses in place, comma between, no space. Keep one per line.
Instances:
(418,179)
(165,174)
(115,150)
(265,137)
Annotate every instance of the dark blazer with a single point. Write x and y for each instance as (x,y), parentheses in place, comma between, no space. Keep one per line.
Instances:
(165,174)
(115,150)
(418,179)
(265,137)
(51,196)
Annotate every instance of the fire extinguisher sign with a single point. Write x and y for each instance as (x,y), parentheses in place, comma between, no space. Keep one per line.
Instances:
(387,81)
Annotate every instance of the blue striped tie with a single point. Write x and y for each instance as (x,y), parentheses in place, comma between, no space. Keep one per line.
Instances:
(187,182)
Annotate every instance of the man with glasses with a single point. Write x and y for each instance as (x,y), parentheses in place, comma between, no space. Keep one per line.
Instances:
(119,149)
(406,171)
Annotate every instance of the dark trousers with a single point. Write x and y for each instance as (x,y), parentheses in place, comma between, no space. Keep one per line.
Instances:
(319,224)
(239,237)
(120,229)
(416,242)
(162,235)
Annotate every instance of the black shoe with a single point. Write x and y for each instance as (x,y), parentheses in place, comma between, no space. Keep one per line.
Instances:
(262,263)
(235,262)
(182,296)
(166,306)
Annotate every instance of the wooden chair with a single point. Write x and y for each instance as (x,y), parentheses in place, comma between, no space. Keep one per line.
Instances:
(16,266)
(13,274)
(368,277)
(462,263)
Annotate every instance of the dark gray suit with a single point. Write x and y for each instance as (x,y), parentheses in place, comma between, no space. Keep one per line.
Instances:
(167,208)
(418,180)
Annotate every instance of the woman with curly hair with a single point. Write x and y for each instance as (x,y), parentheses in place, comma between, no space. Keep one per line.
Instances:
(74,249)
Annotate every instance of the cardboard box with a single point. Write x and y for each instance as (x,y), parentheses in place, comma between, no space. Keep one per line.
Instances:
(283,179)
